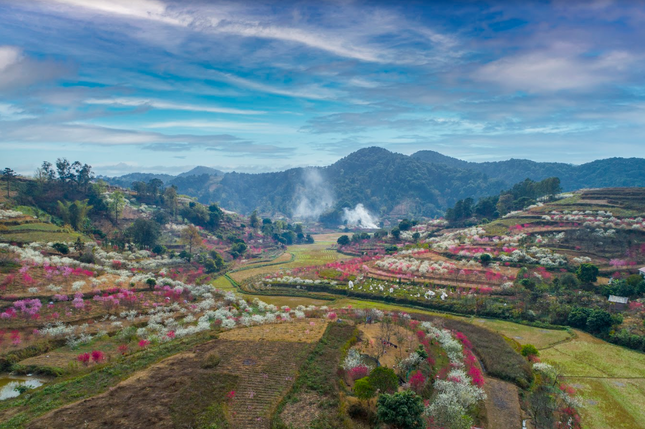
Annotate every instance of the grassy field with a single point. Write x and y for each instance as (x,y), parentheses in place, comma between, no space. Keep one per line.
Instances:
(40,232)
(611,380)
(540,338)
(304,255)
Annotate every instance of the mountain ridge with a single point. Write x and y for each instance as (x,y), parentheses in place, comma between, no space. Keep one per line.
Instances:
(425,183)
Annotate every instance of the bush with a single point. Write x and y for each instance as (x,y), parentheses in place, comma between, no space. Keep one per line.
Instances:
(359,412)
(343,240)
(363,389)
(211,360)
(159,249)
(61,247)
(401,410)
(587,273)
(529,350)
(578,317)
(87,258)
(599,320)
(384,379)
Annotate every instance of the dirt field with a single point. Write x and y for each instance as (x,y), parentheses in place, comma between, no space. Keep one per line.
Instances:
(305,331)
(502,404)
(180,393)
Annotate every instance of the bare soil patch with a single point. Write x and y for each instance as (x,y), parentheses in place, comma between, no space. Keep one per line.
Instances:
(502,404)
(180,393)
(305,409)
(307,331)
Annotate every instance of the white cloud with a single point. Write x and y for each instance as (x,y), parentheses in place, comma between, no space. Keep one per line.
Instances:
(555,71)
(138,9)
(9,55)
(166,105)
(9,112)
(247,127)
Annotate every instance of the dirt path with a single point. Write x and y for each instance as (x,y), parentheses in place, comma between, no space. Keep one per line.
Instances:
(502,404)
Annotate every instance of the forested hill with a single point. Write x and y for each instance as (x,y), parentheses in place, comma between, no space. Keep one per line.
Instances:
(596,174)
(424,184)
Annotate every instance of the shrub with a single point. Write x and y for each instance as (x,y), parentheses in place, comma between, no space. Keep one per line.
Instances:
(358,372)
(587,273)
(98,356)
(211,360)
(578,317)
(87,258)
(151,283)
(417,381)
(84,358)
(61,247)
(401,410)
(384,379)
(363,389)
(529,350)
(599,320)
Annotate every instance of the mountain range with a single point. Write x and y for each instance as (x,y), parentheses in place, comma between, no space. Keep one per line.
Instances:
(388,184)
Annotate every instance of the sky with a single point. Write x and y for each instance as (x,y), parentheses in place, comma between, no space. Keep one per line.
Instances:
(255,86)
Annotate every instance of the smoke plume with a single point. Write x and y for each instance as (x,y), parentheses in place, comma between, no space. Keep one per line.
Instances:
(313,197)
(359,217)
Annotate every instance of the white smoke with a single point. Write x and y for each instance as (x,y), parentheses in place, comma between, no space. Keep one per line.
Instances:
(359,217)
(313,198)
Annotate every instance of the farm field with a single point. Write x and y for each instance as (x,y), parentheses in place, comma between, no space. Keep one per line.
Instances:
(610,379)
(304,255)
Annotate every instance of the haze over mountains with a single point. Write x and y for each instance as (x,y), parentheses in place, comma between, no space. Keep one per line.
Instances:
(386,183)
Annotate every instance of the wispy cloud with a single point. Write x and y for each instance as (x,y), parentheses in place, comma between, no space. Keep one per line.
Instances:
(168,105)
(553,70)
(247,127)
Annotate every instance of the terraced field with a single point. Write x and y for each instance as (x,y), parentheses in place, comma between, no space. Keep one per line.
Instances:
(254,368)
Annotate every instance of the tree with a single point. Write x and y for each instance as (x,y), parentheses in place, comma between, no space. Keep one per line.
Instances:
(215,263)
(8,175)
(75,213)
(485,259)
(578,317)
(170,200)
(587,273)
(504,204)
(254,220)
(405,225)
(144,232)
(363,389)
(529,350)
(116,203)
(384,379)
(64,169)
(238,249)
(83,175)
(396,232)
(190,237)
(599,321)
(402,410)
(343,240)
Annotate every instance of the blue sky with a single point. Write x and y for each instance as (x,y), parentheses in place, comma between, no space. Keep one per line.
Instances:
(152,85)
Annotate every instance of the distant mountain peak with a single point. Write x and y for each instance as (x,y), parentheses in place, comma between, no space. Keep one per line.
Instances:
(200,170)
